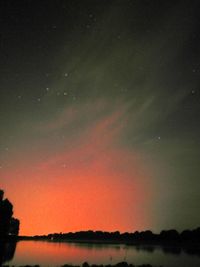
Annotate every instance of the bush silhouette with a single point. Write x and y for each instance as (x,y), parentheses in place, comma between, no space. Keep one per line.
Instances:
(8,224)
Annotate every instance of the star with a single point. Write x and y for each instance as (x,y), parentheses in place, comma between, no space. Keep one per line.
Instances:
(64,165)
(66,74)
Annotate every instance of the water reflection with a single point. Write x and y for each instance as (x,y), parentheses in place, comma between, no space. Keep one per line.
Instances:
(49,253)
(172,250)
(94,246)
(7,251)
(148,248)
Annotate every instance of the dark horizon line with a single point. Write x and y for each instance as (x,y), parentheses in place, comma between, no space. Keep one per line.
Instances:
(169,236)
(115,231)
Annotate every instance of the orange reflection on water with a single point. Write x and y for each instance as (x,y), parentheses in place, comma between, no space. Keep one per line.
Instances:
(55,254)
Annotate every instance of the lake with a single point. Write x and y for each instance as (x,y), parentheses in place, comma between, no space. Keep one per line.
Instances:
(58,253)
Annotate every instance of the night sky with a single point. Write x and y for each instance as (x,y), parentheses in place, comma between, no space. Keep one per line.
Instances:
(100,114)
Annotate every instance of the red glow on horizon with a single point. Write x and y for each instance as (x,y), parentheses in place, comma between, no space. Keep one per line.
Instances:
(92,184)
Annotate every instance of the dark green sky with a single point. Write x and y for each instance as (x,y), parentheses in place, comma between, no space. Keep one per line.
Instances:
(83,79)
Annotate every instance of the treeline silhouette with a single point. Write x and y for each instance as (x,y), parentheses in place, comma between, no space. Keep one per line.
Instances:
(9,229)
(9,226)
(165,236)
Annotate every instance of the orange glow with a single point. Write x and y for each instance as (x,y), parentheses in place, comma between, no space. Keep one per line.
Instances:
(90,184)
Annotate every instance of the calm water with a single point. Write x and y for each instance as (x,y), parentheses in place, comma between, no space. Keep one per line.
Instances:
(56,254)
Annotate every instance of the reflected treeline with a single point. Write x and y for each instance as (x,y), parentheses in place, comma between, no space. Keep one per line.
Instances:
(7,251)
(176,249)
(9,229)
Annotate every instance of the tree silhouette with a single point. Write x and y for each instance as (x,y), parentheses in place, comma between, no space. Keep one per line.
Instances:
(8,224)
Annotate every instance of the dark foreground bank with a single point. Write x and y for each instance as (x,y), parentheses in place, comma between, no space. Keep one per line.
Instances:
(170,237)
(85,264)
